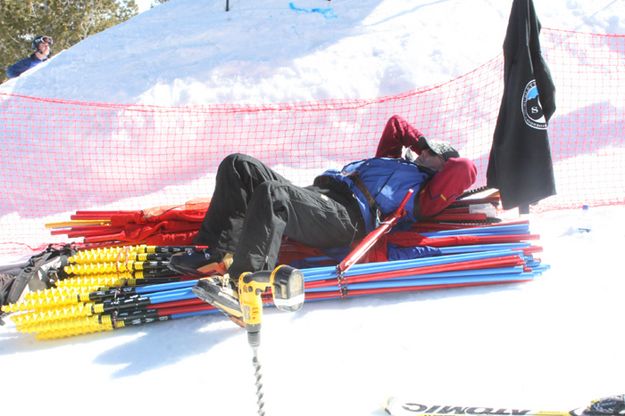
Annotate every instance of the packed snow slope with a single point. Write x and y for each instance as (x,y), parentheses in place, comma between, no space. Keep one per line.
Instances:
(552,343)
(193,52)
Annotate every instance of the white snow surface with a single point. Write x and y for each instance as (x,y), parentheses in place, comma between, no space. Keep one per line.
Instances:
(193,52)
(554,343)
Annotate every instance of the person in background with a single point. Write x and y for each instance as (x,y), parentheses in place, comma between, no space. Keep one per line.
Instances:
(42,46)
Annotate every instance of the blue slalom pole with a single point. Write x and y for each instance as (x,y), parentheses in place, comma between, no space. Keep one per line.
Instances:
(482,247)
(164,286)
(171,295)
(490,230)
(418,282)
(196,313)
(514,270)
(328,272)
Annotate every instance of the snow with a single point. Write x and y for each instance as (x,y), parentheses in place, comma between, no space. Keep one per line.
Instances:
(192,52)
(552,343)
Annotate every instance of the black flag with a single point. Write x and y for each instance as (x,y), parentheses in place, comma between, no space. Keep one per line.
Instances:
(520,163)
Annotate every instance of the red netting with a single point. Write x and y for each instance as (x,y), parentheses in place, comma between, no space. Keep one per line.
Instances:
(59,156)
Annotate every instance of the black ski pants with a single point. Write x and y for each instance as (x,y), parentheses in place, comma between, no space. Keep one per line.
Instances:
(253,207)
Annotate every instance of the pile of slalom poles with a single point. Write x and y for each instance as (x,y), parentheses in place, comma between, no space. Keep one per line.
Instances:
(457,266)
(116,287)
(106,289)
(161,226)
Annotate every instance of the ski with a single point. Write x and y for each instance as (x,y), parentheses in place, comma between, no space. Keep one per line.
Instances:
(607,406)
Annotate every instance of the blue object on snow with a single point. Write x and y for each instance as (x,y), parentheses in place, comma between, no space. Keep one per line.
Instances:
(327,12)
(404,253)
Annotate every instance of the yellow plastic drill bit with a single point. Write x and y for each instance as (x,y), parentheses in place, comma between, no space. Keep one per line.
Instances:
(94,282)
(108,254)
(87,326)
(28,322)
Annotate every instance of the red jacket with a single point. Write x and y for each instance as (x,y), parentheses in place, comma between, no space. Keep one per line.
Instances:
(446,185)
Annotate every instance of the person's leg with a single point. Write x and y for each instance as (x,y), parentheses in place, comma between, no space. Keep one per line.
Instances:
(302,214)
(237,178)
(275,209)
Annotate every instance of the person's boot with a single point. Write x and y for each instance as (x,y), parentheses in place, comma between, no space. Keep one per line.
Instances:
(200,263)
(218,292)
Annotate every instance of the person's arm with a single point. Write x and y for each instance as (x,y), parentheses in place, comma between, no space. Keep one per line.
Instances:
(397,134)
(446,186)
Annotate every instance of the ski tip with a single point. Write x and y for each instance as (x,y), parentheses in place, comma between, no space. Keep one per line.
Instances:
(389,405)
(606,406)
(395,406)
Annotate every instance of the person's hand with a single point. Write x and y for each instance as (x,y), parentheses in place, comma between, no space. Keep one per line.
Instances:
(420,145)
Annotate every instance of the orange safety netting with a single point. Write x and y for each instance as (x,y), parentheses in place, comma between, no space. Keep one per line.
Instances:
(58,156)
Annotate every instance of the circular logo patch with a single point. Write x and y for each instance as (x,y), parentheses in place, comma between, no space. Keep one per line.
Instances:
(531,108)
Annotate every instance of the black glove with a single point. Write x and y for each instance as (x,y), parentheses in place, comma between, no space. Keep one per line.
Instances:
(422,143)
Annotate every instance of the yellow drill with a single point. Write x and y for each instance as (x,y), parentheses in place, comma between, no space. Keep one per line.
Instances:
(287,287)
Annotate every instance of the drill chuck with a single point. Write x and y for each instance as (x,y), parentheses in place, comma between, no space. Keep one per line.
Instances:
(253,338)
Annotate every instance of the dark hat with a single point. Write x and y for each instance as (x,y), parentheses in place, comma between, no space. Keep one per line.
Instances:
(443,149)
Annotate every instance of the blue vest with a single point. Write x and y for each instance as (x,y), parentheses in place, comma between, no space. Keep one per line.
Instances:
(387,180)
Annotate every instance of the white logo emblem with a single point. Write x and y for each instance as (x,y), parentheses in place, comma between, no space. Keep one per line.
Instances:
(531,108)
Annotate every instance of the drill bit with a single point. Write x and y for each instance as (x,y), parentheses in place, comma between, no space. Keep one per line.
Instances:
(259,383)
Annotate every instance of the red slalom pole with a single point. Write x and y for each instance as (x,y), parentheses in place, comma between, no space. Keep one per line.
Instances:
(362,292)
(373,237)
(504,261)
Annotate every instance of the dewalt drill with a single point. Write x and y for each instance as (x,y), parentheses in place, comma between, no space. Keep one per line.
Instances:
(287,288)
